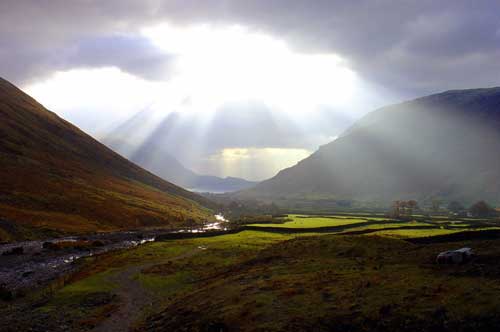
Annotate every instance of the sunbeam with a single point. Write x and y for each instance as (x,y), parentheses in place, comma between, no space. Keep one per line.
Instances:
(221,65)
(276,99)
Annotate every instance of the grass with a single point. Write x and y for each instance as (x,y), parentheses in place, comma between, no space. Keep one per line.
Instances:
(258,280)
(165,285)
(99,282)
(326,281)
(407,233)
(82,303)
(415,233)
(385,226)
(302,221)
(55,178)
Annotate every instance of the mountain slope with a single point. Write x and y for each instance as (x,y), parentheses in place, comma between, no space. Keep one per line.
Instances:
(164,165)
(215,184)
(55,178)
(153,156)
(442,146)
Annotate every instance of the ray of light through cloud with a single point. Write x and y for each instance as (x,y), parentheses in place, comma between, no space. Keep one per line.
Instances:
(256,163)
(233,64)
(213,67)
(95,99)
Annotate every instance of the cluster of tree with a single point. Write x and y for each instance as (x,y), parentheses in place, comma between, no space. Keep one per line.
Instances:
(456,207)
(236,209)
(403,209)
(436,205)
(261,219)
(233,208)
(480,209)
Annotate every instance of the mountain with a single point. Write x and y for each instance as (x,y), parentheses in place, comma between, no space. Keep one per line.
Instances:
(215,184)
(57,179)
(153,156)
(164,165)
(444,146)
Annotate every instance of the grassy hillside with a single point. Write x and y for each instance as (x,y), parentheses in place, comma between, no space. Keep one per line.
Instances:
(443,146)
(260,281)
(57,179)
(154,155)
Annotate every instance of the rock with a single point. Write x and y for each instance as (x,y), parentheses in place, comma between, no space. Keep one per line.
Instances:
(50,246)
(97,243)
(215,327)
(14,251)
(385,310)
(27,274)
(5,294)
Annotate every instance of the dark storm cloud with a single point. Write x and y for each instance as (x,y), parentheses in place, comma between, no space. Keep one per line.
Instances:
(38,37)
(135,55)
(412,47)
(400,47)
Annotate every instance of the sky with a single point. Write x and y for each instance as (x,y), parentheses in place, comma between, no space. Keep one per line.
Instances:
(240,88)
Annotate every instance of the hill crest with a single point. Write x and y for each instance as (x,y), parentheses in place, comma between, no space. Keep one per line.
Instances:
(57,179)
(444,146)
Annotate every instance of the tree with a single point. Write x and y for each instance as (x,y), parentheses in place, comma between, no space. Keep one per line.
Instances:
(396,209)
(481,209)
(436,204)
(455,207)
(403,208)
(411,205)
(191,224)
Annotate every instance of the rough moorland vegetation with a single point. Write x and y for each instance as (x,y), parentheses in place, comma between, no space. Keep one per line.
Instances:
(440,146)
(56,179)
(382,278)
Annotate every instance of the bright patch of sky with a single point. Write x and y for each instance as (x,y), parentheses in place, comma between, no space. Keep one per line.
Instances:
(212,67)
(218,66)
(256,163)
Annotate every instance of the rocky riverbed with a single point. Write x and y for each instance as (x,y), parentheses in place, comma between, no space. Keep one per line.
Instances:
(26,265)
(33,264)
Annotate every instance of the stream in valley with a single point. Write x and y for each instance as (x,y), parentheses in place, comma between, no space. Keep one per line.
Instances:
(33,264)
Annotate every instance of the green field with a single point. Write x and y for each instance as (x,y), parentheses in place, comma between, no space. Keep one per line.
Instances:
(302,221)
(413,233)
(268,281)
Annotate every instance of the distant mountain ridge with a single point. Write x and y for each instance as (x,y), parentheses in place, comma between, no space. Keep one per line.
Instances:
(444,146)
(56,179)
(153,156)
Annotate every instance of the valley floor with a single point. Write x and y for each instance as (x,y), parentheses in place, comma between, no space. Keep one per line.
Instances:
(269,281)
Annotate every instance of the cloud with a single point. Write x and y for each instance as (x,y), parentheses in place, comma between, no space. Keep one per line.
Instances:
(243,139)
(95,99)
(236,125)
(396,49)
(132,54)
(252,163)
(410,46)
(40,37)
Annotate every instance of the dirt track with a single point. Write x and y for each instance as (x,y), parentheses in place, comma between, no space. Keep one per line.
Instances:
(134,298)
